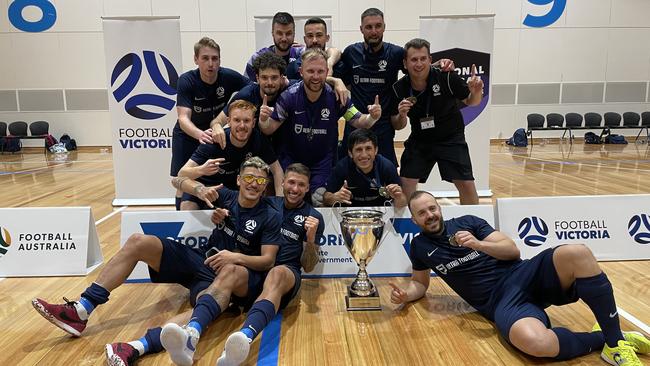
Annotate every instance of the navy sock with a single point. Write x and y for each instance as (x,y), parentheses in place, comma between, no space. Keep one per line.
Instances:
(177,203)
(205,311)
(96,295)
(597,293)
(573,345)
(152,338)
(258,317)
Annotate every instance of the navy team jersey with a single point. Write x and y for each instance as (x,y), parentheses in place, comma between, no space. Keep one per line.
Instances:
(293,231)
(293,69)
(257,145)
(207,100)
(369,74)
(364,187)
(294,54)
(245,230)
(438,100)
(471,274)
(250,93)
(306,125)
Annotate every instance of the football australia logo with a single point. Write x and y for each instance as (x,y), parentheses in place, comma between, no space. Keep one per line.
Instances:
(639,228)
(5,241)
(125,86)
(533,231)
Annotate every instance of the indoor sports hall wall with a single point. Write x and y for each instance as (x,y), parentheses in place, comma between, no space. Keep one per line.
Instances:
(585,55)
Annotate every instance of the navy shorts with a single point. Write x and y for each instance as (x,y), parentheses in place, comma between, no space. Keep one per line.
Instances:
(452,157)
(529,288)
(183,147)
(184,265)
(286,298)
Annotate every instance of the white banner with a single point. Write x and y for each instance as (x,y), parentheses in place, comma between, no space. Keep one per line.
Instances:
(466,40)
(613,227)
(263,37)
(51,241)
(193,228)
(143,60)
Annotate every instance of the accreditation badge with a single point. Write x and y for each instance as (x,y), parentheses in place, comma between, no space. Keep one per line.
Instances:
(427,122)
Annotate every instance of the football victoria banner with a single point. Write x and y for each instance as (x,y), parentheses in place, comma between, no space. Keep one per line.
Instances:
(143,60)
(193,228)
(613,227)
(48,241)
(466,40)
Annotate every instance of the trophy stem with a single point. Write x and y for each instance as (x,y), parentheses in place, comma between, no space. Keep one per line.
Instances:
(362,286)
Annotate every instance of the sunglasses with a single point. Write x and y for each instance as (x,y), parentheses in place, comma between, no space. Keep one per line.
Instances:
(250,178)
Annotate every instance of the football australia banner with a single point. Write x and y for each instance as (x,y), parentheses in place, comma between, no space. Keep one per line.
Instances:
(143,61)
(51,241)
(613,227)
(466,40)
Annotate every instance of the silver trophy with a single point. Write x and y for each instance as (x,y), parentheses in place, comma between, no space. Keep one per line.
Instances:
(362,230)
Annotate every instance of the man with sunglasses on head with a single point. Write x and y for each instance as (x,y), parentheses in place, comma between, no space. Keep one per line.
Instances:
(245,245)
(364,177)
(211,165)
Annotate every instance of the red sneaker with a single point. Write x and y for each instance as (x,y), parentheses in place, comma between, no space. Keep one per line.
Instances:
(121,354)
(63,316)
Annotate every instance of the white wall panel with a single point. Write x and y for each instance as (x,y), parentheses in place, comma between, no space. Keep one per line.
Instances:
(505,56)
(319,8)
(538,55)
(350,13)
(83,59)
(405,14)
(628,56)
(119,8)
(5,25)
(37,60)
(188,10)
(508,12)
(444,7)
(264,7)
(582,56)
(78,16)
(588,13)
(630,13)
(215,17)
(8,68)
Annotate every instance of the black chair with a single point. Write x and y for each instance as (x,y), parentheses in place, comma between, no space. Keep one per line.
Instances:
(593,119)
(573,122)
(39,128)
(3,134)
(645,123)
(535,122)
(554,120)
(631,119)
(18,129)
(612,119)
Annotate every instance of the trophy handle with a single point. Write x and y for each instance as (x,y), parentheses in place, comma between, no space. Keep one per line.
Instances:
(391,220)
(337,217)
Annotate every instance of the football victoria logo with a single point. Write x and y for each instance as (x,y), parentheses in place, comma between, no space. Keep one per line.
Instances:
(134,103)
(5,241)
(533,231)
(639,228)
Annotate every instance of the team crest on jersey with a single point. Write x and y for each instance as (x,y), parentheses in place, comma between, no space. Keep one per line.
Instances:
(441,268)
(299,220)
(221,92)
(325,113)
(297,129)
(250,226)
(356,79)
(197,109)
(436,90)
(382,65)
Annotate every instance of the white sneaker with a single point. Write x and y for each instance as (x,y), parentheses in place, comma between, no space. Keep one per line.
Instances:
(180,343)
(236,350)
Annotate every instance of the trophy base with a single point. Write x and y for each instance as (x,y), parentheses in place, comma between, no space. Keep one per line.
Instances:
(362,303)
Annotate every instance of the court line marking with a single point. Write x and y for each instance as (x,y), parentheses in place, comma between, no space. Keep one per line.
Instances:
(632,319)
(270,342)
(110,215)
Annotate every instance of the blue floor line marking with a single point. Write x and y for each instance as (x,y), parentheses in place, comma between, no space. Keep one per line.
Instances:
(270,342)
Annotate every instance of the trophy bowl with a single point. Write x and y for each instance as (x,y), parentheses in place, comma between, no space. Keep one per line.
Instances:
(362,230)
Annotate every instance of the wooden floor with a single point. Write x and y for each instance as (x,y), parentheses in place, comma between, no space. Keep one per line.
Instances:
(315,329)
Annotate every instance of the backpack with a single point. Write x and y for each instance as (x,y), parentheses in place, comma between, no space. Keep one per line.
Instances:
(519,138)
(50,141)
(592,138)
(615,139)
(69,143)
(12,144)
